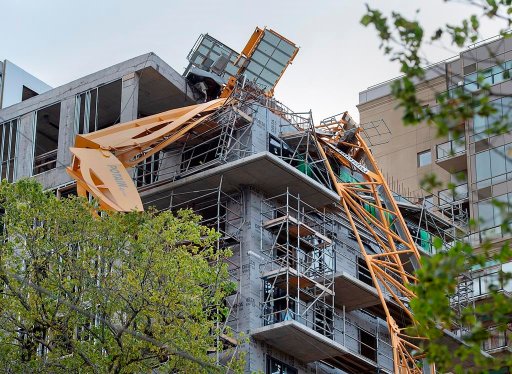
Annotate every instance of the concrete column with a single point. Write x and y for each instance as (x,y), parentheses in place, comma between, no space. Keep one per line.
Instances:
(25,146)
(66,131)
(129,97)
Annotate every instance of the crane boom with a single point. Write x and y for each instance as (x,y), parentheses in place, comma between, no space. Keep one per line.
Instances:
(365,197)
(100,158)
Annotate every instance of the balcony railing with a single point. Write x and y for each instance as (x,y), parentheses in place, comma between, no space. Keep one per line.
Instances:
(498,340)
(450,148)
(449,196)
(492,282)
(495,233)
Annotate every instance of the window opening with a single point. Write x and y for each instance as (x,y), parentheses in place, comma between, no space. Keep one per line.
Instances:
(46,138)
(424,158)
(277,367)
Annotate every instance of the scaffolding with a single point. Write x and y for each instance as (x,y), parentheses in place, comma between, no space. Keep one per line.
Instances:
(298,271)
(226,137)
(220,139)
(301,253)
(222,212)
(297,241)
(462,301)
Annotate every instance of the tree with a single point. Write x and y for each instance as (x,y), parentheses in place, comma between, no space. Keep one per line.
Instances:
(107,293)
(403,39)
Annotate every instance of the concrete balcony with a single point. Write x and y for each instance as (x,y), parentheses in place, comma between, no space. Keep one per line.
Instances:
(451,155)
(354,288)
(357,293)
(345,349)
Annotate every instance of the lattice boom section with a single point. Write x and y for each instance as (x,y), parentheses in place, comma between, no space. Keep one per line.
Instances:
(392,257)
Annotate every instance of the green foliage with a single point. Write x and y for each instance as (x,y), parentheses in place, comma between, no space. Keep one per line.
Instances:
(403,39)
(118,293)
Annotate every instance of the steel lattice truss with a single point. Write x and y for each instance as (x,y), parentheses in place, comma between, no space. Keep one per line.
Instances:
(367,200)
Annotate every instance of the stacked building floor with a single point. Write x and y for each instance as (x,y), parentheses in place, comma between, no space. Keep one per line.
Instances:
(305,298)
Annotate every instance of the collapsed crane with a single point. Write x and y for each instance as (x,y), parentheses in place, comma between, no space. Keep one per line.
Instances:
(101,158)
(366,197)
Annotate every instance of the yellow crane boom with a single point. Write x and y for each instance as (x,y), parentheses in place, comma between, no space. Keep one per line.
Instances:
(365,197)
(100,158)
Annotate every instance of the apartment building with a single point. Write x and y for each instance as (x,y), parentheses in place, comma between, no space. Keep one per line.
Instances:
(305,296)
(479,164)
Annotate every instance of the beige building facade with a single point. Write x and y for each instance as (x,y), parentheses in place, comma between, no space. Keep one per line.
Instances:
(479,163)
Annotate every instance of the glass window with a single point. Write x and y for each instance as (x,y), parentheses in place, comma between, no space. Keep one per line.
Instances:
(280,57)
(429,202)
(497,156)
(255,68)
(471,87)
(479,124)
(271,38)
(98,108)
(508,157)
(506,107)
(493,163)
(497,72)
(507,268)
(275,66)
(500,213)
(487,77)
(266,47)
(269,77)
(470,78)
(489,282)
(486,214)
(287,47)
(424,158)
(47,138)
(260,58)
(483,166)
(496,116)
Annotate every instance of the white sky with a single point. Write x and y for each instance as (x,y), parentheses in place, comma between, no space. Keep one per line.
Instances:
(62,40)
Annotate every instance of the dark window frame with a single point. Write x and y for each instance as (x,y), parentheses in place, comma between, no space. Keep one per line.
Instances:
(285,369)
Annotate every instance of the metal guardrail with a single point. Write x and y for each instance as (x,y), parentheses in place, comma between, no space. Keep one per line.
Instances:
(485,284)
(450,148)
(449,195)
(45,162)
(498,340)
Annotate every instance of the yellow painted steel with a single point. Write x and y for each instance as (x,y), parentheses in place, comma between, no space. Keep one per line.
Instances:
(391,270)
(100,158)
(247,52)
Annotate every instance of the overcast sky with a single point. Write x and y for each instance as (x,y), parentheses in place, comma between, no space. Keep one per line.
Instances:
(62,40)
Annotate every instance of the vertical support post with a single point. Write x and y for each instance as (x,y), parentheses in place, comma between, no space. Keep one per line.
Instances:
(26,142)
(129,97)
(67,129)
(287,256)
(344,327)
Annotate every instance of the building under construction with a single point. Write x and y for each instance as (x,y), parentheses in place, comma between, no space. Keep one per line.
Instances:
(316,288)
